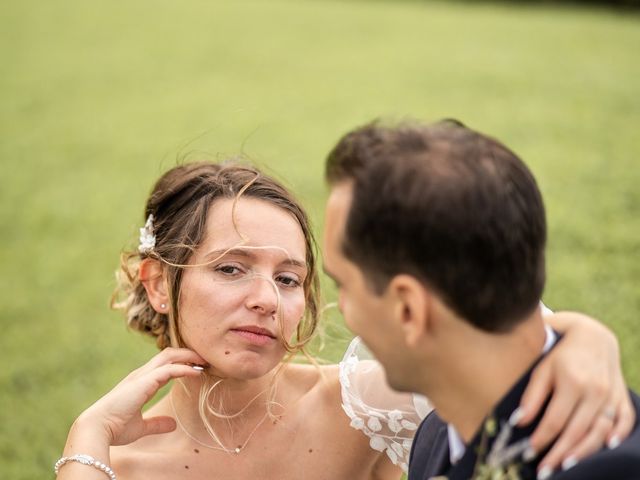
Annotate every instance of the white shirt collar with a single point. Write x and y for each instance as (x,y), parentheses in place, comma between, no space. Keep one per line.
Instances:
(456,445)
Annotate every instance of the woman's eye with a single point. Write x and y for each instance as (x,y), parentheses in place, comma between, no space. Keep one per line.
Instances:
(288,281)
(228,269)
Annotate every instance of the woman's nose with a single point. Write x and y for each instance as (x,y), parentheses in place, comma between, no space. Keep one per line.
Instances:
(263,296)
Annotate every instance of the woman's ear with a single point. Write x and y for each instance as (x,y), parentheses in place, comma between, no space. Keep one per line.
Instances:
(411,309)
(152,277)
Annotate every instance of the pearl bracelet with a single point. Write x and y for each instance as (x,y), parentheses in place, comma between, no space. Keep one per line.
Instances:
(85,460)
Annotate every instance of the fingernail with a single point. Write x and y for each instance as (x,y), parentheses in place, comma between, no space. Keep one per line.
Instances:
(545,472)
(516,416)
(529,454)
(614,442)
(569,462)
(197,367)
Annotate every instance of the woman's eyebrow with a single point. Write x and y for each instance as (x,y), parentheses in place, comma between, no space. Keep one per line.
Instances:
(220,253)
(248,252)
(294,263)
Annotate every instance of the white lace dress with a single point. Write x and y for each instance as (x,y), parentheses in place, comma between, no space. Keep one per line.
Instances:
(389,418)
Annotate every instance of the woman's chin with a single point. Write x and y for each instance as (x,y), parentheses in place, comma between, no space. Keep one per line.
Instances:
(245,367)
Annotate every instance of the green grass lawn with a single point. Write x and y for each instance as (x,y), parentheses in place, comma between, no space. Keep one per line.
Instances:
(98,98)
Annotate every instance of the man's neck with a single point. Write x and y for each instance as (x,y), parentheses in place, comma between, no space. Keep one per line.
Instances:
(478,369)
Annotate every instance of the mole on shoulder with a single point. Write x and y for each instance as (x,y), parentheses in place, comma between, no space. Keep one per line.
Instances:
(196,450)
(311,450)
(187,467)
(227,352)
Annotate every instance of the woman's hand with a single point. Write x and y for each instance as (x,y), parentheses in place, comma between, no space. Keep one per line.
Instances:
(118,415)
(590,406)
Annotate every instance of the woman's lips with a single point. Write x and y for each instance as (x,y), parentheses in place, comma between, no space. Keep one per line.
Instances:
(255,335)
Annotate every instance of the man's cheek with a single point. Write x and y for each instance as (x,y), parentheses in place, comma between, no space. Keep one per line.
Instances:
(354,322)
(347,314)
(341,300)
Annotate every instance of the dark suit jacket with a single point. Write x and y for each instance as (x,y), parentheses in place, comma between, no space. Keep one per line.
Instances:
(430,450)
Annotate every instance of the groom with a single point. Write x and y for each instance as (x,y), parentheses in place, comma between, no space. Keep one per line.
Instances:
(436,237)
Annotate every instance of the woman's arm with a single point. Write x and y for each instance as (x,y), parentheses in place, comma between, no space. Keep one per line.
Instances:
(590,405)
(86,438)
(116,419)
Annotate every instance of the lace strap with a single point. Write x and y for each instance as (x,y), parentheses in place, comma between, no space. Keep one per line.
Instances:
(387,417)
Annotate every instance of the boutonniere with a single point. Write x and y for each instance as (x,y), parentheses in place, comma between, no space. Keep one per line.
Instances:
(502,461)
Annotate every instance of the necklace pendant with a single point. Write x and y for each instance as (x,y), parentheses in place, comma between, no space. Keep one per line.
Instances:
(238,449)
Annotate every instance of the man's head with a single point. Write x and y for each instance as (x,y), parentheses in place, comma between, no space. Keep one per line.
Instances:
(445,208)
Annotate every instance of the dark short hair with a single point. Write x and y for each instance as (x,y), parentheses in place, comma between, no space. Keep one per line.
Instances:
(450,206)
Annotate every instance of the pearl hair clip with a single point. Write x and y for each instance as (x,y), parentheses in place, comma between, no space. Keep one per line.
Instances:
(147,237)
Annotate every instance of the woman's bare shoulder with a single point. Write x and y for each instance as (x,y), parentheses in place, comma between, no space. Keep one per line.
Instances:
(311,375)
(153,456)
(128,459)
(316,381)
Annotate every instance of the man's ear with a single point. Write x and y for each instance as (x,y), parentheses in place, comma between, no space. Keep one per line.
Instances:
(411,307)
(153,279)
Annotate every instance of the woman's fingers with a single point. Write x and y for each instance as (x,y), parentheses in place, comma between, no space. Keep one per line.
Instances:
(167,356)
(555,418)
(625,419)
(537,392)
(175,355)
(588,408)
(137,389)
(584,434)
(575,405)
(591,443)
(178,355)
(156,425)
(144,426)
(154,380)
(121,409)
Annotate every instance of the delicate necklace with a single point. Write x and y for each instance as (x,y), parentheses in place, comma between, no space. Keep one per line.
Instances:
(236,450)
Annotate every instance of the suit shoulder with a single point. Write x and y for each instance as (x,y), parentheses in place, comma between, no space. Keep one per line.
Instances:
(622,463)
(430,450)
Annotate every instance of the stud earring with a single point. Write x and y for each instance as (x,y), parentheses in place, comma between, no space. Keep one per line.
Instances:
(163,306)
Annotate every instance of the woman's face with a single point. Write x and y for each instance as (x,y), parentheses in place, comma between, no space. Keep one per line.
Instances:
(232,309)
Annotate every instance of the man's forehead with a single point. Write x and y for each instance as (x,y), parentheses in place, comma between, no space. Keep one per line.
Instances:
(337,208)
(336,213)
(342,191)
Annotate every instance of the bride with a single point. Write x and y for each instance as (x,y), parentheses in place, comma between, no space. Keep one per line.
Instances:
(225,280)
